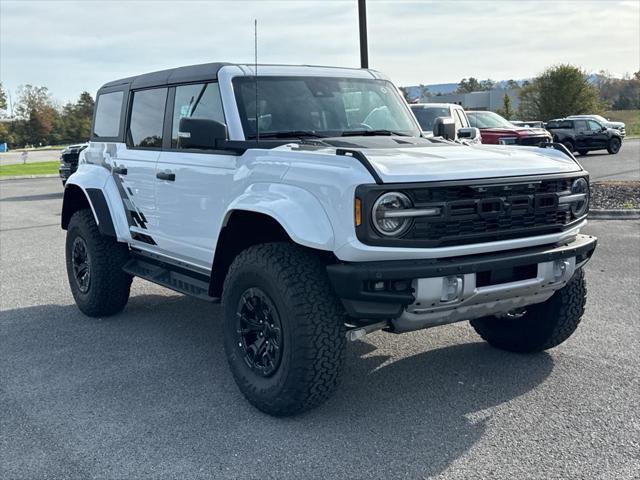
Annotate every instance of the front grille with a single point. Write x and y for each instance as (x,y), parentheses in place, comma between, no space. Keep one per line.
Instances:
(474,212)
(483,213)
(533,140)
(70,157)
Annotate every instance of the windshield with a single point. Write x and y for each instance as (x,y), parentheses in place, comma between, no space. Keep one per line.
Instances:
(321,107)
(427,115)
(488,120)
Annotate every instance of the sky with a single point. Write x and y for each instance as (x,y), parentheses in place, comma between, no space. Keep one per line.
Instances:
(71,46)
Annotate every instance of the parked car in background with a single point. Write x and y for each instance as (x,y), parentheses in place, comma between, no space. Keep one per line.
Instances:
(500,131)
(427,113)
(620,126)
(584,135)
(69,160)
(528,124)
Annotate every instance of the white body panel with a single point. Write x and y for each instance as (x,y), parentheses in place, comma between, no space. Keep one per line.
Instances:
(459,162)
(309,192)
(189,209)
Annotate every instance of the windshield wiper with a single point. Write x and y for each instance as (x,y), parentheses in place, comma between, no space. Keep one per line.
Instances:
(372,133)
(288,134)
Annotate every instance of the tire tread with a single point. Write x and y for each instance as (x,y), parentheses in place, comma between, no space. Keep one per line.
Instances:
(545,326)
(110,285)
(320,333)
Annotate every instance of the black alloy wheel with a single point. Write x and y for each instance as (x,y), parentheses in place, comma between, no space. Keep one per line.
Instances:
(259,332)
(81,262)
(614,146)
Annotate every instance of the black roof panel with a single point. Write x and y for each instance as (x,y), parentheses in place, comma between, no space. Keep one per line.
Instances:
(191,73)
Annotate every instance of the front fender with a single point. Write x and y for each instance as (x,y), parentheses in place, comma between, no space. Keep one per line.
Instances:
(299,212)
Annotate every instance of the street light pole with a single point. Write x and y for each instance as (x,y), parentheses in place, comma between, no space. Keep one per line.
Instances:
(364,49)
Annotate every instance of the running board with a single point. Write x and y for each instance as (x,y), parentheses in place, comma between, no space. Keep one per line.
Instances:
(181,280)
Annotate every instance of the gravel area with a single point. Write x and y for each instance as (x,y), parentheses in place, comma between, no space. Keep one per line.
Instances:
(615,194)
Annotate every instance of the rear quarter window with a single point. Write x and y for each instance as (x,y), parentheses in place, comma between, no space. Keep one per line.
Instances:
(108,112)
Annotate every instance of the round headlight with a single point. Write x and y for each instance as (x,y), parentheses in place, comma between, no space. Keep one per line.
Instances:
(580,207)
(384,217)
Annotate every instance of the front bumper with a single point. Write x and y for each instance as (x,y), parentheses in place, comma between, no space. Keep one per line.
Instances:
(66,170)
(414,291)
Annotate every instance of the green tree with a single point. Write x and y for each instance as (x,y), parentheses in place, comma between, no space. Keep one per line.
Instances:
(74,125)
(512,84)
(469,85)
(474,85)
(3,98)
(36,116)
(486,85)
(559,91)
(507,108)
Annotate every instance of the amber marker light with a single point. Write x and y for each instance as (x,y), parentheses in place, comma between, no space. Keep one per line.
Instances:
(357,211)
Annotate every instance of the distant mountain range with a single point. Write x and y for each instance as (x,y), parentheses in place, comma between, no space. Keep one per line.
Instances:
(445,88)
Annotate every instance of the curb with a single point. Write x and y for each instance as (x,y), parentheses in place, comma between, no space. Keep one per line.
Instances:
(25,177)
(614,214)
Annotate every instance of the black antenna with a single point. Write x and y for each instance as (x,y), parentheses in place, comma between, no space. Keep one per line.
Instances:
(362,20)
(255,62)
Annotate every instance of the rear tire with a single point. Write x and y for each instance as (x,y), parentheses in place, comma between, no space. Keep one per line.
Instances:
(614,146)
(281,292)
(94,267)
(568,144)
(543,326)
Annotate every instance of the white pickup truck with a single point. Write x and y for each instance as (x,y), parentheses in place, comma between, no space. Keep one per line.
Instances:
(306,200)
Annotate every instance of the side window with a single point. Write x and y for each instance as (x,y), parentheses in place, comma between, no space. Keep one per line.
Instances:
(108,108)
(147,118)
(199,101)
(595,126)
(580,125)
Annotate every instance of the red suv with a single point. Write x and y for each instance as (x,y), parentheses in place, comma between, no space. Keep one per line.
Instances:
(498,130)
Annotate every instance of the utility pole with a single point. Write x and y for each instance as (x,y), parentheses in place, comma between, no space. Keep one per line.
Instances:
(364,48)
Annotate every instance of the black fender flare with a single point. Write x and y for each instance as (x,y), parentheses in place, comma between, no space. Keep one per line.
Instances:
(75,198)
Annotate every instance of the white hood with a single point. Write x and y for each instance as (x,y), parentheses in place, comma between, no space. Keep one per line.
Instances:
(456,162)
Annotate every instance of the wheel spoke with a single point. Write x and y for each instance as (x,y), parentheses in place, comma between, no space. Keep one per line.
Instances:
(259,331)
(81,264)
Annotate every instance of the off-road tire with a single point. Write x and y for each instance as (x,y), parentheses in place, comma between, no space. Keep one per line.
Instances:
(108,290)
(313,330)
(583,152)
(543,326)
(614,145)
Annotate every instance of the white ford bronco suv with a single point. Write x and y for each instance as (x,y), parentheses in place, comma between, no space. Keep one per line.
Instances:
(309,204)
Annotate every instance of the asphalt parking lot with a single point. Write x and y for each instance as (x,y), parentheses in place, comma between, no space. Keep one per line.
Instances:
(147,393)
(625,165)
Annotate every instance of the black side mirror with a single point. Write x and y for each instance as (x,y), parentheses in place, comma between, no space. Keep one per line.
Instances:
(604,128)
(200,133)
(444,127)
(470,133)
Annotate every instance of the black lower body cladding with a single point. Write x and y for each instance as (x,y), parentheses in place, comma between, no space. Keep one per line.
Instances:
(355,283)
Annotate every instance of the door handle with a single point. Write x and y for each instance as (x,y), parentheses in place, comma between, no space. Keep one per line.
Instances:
(122,170)
(168,176)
